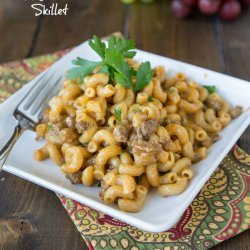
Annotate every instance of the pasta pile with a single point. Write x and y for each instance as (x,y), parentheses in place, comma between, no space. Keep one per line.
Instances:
(101,132)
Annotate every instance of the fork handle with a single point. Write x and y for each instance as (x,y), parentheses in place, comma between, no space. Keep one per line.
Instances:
(5,151)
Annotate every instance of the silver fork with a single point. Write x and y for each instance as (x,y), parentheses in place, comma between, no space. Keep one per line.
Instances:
(28,111)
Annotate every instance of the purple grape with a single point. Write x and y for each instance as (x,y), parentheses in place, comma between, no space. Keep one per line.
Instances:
(180,9)
(190,2)
(245,2)
(230,10)
(209,7)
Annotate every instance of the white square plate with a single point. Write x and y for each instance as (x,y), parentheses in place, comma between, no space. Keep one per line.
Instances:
(159,213)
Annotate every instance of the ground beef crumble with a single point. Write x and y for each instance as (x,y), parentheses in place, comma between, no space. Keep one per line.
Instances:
(81,126)
(121,133)
(148,127)
(74,177)
(236,111)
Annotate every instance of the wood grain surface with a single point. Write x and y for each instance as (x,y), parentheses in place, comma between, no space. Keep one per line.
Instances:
(32,217)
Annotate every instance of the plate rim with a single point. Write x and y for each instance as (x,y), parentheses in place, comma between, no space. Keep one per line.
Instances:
(139,223)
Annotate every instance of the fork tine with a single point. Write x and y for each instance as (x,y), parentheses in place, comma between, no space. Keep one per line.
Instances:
(32,104)
(31,90)
(45,102)
(43,94)
(34,92)
(53,92)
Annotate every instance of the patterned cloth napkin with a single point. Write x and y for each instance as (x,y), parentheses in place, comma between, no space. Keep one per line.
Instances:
(220,211)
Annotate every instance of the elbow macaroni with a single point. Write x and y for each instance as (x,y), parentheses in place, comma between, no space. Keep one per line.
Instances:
(167,126)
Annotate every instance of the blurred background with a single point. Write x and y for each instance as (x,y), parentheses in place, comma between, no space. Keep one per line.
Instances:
(200,39)
(194,31)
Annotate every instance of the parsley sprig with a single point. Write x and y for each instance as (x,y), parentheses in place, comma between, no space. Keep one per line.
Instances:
(210,88)
(144,76)
(113,63)
(118,114)
(49,127)
(150,99)
(84,68)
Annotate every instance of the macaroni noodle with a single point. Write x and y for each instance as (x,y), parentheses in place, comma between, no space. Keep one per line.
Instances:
(131,142)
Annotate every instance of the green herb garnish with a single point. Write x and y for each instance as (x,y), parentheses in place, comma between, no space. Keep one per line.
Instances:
(118,114)
(84,68)
(98,46)
(210,89)
(49,127)
(115,60)
(133,72)
(144,76)
(150,99)
(113,63)
(122,45)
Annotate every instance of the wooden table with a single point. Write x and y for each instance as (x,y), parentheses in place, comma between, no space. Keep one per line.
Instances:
(32,217)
